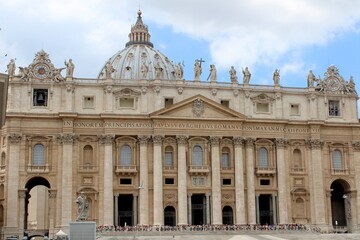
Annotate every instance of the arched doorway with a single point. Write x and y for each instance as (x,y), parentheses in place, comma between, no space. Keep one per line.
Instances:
(169,216)
(36,219)
(340,205)
(227,215)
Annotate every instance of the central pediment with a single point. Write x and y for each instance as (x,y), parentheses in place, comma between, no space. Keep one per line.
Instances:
(198,107)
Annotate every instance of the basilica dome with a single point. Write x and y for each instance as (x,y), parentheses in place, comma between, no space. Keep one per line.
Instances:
(139,60)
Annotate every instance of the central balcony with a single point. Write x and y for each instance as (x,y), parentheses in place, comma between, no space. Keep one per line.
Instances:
(199,169)
(126,170)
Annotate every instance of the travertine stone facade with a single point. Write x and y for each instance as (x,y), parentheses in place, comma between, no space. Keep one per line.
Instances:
(149,147)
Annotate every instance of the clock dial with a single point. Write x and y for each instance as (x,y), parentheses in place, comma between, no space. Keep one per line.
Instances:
(41,71)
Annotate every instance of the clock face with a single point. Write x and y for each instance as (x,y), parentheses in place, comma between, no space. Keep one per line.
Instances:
(41,71)
(333,84)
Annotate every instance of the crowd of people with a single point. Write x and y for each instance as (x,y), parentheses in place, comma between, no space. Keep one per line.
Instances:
(235,228)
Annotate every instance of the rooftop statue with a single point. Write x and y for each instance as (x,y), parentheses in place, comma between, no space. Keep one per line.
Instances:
(11,68)
(69,68)
(276,77)
(197,69)
(247,75)
(144,70)
(311,79)
(233,76)
(179,72)
(109,69)
(213,73)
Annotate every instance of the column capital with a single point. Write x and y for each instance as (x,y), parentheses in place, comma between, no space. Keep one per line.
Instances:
(215,141)
(181,139)
(157,139)
(106,138)
(315,143)
(281,142)
(238,141)
(52,193)
(356,146)
(249,142)
(14,137)
(143,139)
(189,194)
(67,138)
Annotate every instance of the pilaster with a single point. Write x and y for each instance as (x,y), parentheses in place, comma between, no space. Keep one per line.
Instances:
(239,181)
(108,197)
(215,180)
(158,182)
(282,183)
(144,191)
(250,180)
(356,148)
(182,180)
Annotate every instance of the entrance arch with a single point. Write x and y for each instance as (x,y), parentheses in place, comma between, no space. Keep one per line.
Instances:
(36,218)
(169,216)
(340,205)
(227,215)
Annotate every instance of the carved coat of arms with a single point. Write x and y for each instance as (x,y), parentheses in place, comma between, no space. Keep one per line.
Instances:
(198,107)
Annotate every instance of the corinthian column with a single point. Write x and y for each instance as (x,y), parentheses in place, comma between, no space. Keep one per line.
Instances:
(144,191)
(215,180)
(108,197)
(158,186)
(317,182)
(239,181)
(282,183)
(250,180)
(182,177)
(67,140)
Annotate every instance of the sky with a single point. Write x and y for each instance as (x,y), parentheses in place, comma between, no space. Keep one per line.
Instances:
(293,36)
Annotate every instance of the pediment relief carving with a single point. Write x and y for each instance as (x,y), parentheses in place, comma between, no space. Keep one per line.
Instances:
(263,98)
(198,107)
(126,92)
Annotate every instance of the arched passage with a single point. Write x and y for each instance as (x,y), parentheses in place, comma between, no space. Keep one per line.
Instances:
(339,203)
(169,216)
(37,204)
(227,215)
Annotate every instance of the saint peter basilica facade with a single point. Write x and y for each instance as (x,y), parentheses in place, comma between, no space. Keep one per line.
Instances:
(148,147)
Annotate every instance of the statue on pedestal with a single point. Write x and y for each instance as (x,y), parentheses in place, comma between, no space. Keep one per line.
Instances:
(83,207)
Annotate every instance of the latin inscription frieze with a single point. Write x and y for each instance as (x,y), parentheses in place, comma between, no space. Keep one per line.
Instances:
(190,125)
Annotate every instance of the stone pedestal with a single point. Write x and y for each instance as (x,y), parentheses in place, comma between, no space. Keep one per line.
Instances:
(82,230)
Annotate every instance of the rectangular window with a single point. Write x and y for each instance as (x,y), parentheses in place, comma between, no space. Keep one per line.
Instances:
(226,181)
(334,108)
(294,109)
(88,102)
(225,103)
(262,107)
(264,182)
(125,181)
(40,97)
(169,181)
(127,102)
(169,102)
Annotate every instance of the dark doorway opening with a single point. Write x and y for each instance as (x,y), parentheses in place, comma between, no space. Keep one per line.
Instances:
(198,209)
(125,210)
(266,212)
(338,204)
(169,216)
(227,215)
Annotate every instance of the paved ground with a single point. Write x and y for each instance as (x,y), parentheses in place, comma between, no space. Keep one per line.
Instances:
(263,235)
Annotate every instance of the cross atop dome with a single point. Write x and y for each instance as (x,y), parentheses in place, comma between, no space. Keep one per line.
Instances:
(139,33)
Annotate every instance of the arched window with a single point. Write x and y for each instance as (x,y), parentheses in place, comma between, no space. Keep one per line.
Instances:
(125,155)
(225,157)
(337,160)
(39,155)
(169,161)
(297,163)
(88,155)
(263,157)
(197,156)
